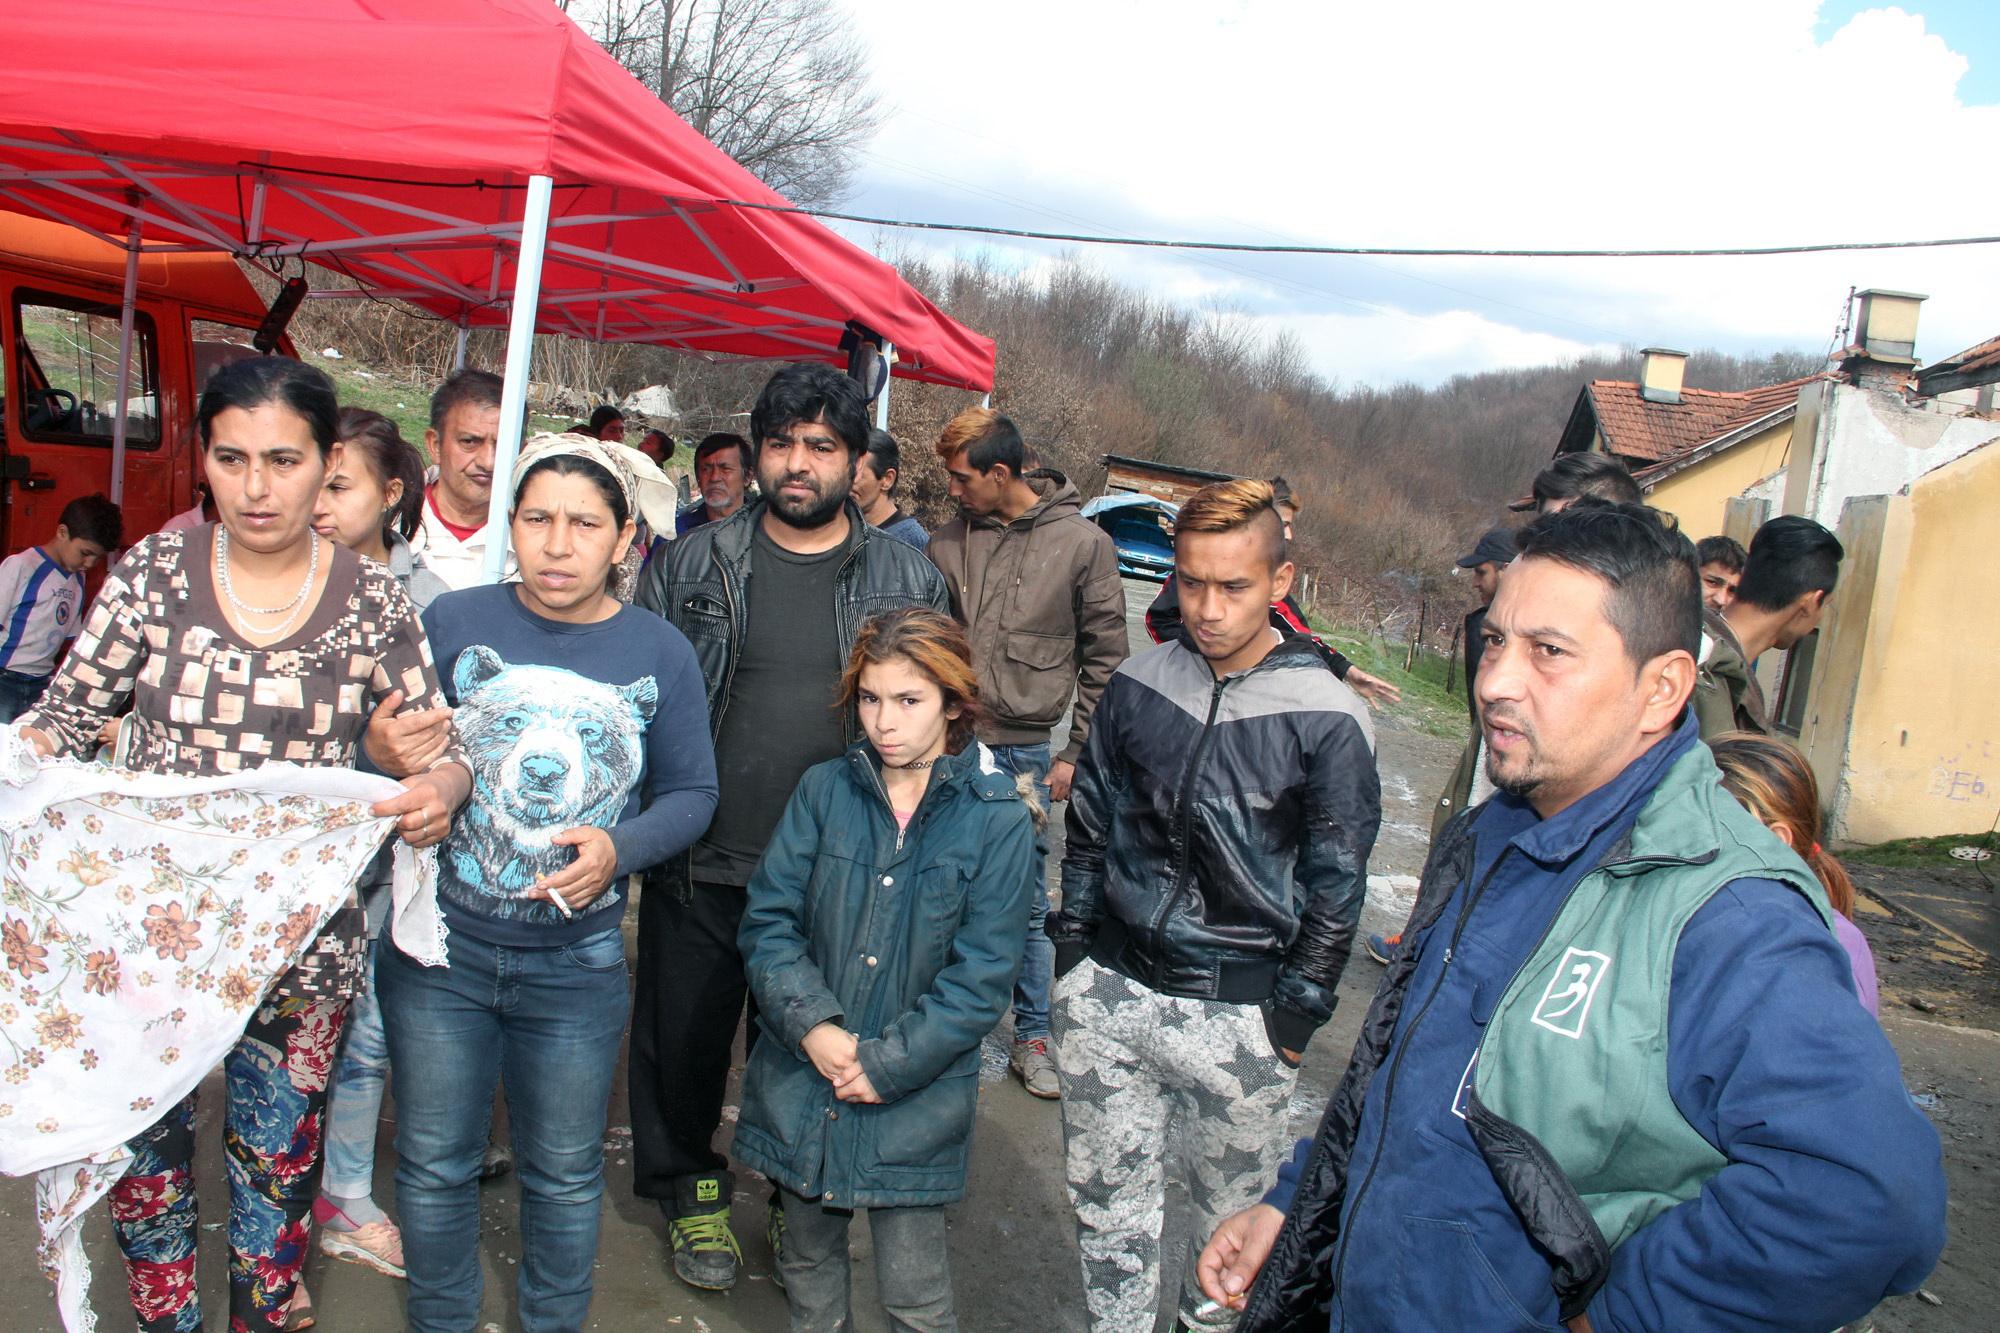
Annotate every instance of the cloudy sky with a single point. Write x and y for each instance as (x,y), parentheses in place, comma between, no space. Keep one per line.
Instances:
(1592,123)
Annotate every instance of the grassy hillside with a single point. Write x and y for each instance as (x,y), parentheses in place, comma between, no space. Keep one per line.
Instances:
(1426,704)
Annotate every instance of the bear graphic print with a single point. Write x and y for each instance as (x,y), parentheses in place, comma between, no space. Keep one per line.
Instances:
(550,750)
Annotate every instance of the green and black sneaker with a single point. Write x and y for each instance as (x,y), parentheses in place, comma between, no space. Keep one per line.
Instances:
(705,1250)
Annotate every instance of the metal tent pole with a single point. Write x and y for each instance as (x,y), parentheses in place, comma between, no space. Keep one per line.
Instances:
(888,359)
(520,351)
(458,347)
(125,363)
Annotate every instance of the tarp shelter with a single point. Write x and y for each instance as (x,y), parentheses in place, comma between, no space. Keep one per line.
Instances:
(483,160)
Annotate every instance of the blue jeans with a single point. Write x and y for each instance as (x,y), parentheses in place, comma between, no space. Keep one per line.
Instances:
(354,1097)
(549,1021)
(19,693)
(1038,964)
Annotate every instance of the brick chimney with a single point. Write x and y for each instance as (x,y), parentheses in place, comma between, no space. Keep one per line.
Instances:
(1887,326)
(1660,372)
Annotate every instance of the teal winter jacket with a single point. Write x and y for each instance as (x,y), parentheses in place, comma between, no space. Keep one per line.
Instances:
(910,940)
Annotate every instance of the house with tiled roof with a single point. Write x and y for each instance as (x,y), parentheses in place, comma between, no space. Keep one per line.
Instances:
(1892,699)
(1691,450)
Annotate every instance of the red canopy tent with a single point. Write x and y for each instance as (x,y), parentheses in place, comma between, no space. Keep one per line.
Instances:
(481,159)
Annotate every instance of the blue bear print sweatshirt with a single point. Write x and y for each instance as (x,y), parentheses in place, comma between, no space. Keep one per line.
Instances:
(565,725)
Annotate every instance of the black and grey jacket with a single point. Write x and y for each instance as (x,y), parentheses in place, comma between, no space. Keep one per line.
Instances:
(703,587)
(1219,831)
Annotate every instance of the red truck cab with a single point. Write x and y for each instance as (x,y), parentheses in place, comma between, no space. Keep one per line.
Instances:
(61,291)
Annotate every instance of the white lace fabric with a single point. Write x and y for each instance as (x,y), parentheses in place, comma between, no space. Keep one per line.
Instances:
(142,919)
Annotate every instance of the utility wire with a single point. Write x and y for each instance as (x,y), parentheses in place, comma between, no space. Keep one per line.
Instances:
(1407,252)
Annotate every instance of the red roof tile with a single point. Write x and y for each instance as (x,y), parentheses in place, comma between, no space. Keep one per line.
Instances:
(1980,357)
(1643,433)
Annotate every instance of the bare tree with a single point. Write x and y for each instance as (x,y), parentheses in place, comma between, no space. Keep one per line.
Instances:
(779,85)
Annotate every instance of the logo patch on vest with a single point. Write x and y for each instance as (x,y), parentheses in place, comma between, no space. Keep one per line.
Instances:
(1565,1004)
(1462,1099)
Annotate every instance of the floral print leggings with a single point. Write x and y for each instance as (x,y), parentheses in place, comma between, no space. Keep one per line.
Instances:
(277,1076)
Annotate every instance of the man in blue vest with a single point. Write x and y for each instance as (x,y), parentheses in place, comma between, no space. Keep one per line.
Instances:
(1616,1076)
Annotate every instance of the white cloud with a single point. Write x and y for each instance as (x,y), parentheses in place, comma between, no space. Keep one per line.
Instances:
(1562,123)
(1395,346)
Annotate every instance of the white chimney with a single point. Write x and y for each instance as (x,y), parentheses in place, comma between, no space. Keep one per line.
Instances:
(1660,372)
(1887,326)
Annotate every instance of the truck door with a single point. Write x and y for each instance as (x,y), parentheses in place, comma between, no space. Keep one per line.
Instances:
(61,406)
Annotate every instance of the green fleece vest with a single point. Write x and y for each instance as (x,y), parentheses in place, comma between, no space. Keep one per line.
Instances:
(1575,1053)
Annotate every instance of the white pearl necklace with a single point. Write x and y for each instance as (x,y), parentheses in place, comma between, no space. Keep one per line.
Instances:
(290,610)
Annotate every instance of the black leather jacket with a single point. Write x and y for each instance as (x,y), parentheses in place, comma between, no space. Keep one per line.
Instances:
(1219,832)
(702,584)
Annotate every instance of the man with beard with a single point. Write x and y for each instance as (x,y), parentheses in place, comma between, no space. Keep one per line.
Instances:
(1617,1076)
(771,598)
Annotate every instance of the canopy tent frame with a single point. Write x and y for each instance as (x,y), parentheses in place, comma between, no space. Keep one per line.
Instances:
(630,227)
(533,232)
(199,225)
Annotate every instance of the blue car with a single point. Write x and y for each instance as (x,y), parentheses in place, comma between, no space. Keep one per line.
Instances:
(1142,529)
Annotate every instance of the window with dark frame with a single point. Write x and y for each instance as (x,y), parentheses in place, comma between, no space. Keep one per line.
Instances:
(66,351)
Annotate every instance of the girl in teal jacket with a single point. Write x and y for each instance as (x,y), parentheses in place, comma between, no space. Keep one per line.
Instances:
(882,932)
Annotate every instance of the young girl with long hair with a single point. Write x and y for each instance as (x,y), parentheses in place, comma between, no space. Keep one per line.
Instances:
(1773,782)
(881,935)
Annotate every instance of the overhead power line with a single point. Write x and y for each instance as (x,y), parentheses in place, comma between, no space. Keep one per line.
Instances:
(1406,252)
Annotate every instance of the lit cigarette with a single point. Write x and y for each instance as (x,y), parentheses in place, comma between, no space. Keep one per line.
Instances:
(561,906)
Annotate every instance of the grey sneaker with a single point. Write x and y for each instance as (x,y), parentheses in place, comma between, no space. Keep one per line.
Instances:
(705,1250)
(497,1161)
(1036,1069)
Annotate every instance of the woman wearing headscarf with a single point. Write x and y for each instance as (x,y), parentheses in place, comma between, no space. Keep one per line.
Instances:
(587,727)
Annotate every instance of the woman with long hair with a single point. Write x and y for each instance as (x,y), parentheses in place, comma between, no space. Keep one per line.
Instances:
(244,641)
(1772,781)
(881,934)
(587,723)
(373,500)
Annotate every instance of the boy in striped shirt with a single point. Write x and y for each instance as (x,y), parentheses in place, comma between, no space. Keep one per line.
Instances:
(41,598)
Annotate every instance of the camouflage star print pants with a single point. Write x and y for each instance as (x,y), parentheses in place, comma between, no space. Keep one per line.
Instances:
(1132,1061)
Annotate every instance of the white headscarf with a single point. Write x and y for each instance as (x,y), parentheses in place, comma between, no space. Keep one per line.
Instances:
(649,493)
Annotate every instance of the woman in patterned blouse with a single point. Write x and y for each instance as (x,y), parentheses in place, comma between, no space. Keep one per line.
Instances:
(238,643)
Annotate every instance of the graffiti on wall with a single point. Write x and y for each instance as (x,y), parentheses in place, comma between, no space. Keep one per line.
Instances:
(1962,776)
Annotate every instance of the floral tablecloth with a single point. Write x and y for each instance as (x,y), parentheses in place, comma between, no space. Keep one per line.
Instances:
(142,918)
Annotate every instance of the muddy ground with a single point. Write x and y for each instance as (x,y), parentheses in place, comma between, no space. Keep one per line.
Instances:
(1013,1257)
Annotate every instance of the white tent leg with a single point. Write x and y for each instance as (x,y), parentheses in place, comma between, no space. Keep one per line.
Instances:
(458,349)
(986,400)
(520,351)
(125,364)
(888,378)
